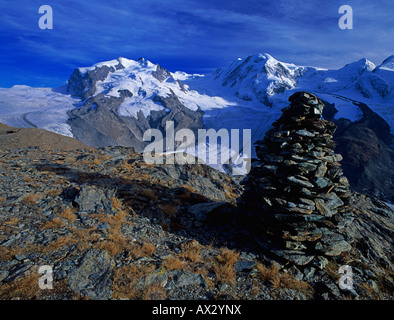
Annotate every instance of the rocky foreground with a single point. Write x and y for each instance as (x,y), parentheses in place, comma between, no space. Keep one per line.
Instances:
(113,227)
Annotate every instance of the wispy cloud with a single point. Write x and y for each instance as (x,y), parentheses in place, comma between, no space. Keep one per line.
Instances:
(191,35)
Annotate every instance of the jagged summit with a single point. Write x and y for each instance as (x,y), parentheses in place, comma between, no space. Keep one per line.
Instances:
(388,63)
(117,74)
(259,77)
(360,65)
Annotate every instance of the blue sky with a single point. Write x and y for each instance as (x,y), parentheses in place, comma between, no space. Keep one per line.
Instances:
(195,36)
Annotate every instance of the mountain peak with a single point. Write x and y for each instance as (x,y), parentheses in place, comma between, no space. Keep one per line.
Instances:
(262,57)
(359,66)
(388,63)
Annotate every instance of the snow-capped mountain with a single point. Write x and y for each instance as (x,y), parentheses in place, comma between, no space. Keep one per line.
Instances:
(259,77)
(264,79)
(115,102)
(259,84)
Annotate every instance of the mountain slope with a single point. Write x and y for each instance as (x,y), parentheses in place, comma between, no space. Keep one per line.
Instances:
(14,138)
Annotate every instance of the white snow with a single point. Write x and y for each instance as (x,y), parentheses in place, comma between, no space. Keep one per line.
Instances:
(46,108)
(131,106)
(391,206)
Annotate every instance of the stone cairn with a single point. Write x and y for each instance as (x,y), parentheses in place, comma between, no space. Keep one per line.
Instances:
(297,190)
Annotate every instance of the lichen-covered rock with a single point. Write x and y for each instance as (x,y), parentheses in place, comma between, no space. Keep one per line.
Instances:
(92,277)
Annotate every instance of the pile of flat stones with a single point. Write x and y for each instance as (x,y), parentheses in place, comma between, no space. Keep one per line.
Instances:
(297,190)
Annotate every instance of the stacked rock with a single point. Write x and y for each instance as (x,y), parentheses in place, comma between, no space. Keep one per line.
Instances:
(297,189)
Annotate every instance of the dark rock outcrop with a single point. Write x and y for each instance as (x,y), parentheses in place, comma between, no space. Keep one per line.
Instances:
(97,123)
(368,158)
(84,85)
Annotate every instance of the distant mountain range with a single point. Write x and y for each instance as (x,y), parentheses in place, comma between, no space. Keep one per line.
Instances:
(115,102)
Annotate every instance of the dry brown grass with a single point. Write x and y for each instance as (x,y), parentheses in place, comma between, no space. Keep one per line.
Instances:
(255,288)
(230,191)
(55,245)
(369,290)
(97,161)
(111,247)
(290,282)
(268,273)
(116,243)
(192,197)
(54,192)
(187,196)
(191,252)
(52,224)
(68,214)
(173,263)
(332,269)
(31,199)
(154,291)
(24,288)
(115,221)
(127,166)
(27,179)
(189,188)
(227,256)
(124,285)
(147,249)
(116,204)
(12,221)
(224,273)
(5,254)
(84,238)
(281,280)
(224,266)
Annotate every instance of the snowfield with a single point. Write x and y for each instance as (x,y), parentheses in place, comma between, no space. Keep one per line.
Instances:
(46,108)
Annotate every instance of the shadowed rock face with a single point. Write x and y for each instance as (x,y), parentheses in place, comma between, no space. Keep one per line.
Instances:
(84,86)
(97,123)
(297,189)
(161,74)
(368,158)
